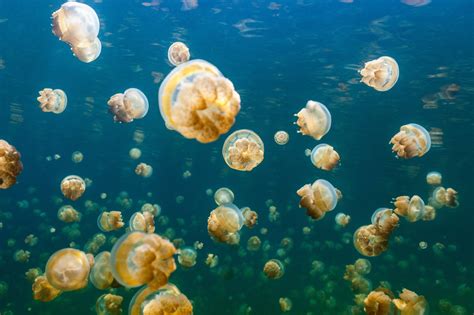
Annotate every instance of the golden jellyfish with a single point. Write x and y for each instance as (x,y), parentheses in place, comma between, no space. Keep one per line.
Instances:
(110,221)
(77,157)
(362,266)
(68,269)
(250,217)
(211,260)
(43,291)
(144,170)
(167,300)
(178,53)
(324,157)
(318,198)
(10,164)
(410,303)
(224,223)
(429,213)
(78,25)
(381,73)
(54,101)
(187,257)
(314,120)
(434,178)
(342,219)
(109,304)
(223,195)
(68,214)
(135,153)
(142,222)
(73,187)
(444,197)
(253,243)
(378,303)
(285,304)
(101,272)
(21,256)
(129,105)
(412,140)
(138,258)
(281,137)
(197,101)
(243,150)
(413,209)
(274,269)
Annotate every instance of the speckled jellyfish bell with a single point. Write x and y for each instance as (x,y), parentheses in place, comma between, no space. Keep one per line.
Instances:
(68,269)
(54,101)
(73,187)
(318,198)
(78,25)
(167,300)
(381,73)
(324,157)
(412,140)
(314,120)
(197,101)
(224,223)
(178,53)
(243,150)
(10,164)
(130,105)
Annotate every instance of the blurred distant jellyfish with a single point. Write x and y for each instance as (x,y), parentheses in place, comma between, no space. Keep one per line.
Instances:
(73,187)
(110,221)
(243,150)
(167,300)
(10,164)
(54,101)
(197,101)
(324,157)
(138,258)
(416,3)
(68,269)
(434,178)
(250,217)
(444,197)
(413,209)
(422,245)
(144,170)
(135,153)
(224,224)
(178,53)
(318,198)
(129,105)
(142,222)
(381,73)
(281,137)
(78,25)
(154,209)
(412,140)
(223,195)
(362,266)
(314,120)
(43,291)
(342,219)
(254,243)
(378,303)
(31,275)
(274,269)
(77,157)
(410,303)
(21,256)
(212,260)
(187,257)
(189,5)
(109,304)
(101,273)
(285,304)
(68,214)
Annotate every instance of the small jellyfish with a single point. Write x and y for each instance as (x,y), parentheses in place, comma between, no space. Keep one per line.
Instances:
(135,153)
(10,164)
(73,187)
(324,157)
(413,209)
(78,25)
(109,304)
(243,150)
(381,73)
(281,137)
(410,303)
(285,304)
(223,195)
(412,140)
(434,178)
(154,209)
(144,170)
(314,120)
(212,260)
(423,245)
(378,303)
(362,266)
(318,198)
(224,223)
(54,101)
(77,157)
(142,222)
(21,256)
(167,300)
(342,219)
(68,214)
(43,291)
(254,243)
(110,221)
(129,105)
(197,101)
(68,269)
(187,257)
(274,269)
(250,217)
(101,273)
(178,53)
(444,197)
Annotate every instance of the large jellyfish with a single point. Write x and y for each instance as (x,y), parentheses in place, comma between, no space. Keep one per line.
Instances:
(43,291)
(224,223)
(410,303)
(318,198)
(78,25)
(110,221)
(167,300)
(129,105)
(101,273)
(197,101)
(314,120)
(68,269)
(324,156)
(412,140)
(54,101)
(178,53)
(378,303)
(381,73)
(243,150)
(73,187)
(10,164)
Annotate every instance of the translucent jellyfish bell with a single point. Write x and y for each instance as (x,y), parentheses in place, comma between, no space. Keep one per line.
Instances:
(434,178)
(223,195)
(412,140)
(197,101)
(224,223)
(110,221)
(281,137)
(54,101)
(109,304)
(43,291)
(142,222)
(167,300)
(130,105)
(274,269)
(324,156)
(73,187)
(68,269)
(314,120)
(381,73)
(187,257)
(318,198)
(10,164)
(101,273)
(178,53)
(243,150)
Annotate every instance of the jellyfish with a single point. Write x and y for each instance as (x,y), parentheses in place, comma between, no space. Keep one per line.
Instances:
(381,73)
(342,219)
(110,221)
(434,178)
(224,223)
(362,266)
(254,243)
(144,170)
(109,304)
(412,140)
(78,25)
(68,214)
(101,273)
(129,105)
(444,197)
(274,269)
(197,101)
(77,157)
(413,209)
(324,157)
(410,303)
(281,137)
(43,291)
(10,164)
(318,198)
(223,195)
(73,187)
(32,274)
(285,304)
(94,244)
(154,209)
(178,53)
(138,258)
(21,256)
(314,120)
(167,300)
(187,257)
(429,213)
(142,222)
(243,150)
(54,101)
(250,217)
(68,269)
(378,303)
(135,153)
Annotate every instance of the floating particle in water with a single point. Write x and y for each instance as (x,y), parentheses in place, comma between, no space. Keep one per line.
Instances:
(73,187)
(381,73)
(153,3)
(318,198)
(273,6)
(412,140)
(10,164)
(281,137)
(223,196)
(144,170)
(178,53)
(434,178)
(324,157)
(436,135)
(243,150)
(274,269)
(68,269)
(314,120)
(189,5)
(129,105)
(250,28)
(54,101)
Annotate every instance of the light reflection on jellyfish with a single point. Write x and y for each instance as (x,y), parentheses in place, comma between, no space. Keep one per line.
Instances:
(412,140)
(324,157)
(314,120)
(54,101)
(68,269)
(129,105)
(318,198)
(243,150)
(381,73)
(178,53)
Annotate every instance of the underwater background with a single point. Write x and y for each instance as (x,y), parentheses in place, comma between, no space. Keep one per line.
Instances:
(278,55)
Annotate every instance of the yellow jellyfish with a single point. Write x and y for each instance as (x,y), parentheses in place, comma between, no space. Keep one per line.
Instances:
(142,222)
(187,257)
(78,25)
(281,137)
(410,303)
(318,198)
(243,150)
(413,209)
(77,157)
(167,300)
(224,223)
(54,101)
(10,164)
(250,217)
(314,120)
(378,303)
(101,272)
(434,178)
(381,73)
(43,291)
(68,269)
(178,53)
(68,214)
(197,101)
(73,187)
(109,304)
(129,105)
(342,219)
(144,170)
(223,195)
(444,197)
(274,269)
(412,140)
(110,221)
(138,258)
(324,157)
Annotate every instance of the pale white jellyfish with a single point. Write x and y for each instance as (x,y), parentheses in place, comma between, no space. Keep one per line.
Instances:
(223,195)
(281,137)
(178,53)
(135,153)
(54,101)
(314,120)
(130,105)
(243,150)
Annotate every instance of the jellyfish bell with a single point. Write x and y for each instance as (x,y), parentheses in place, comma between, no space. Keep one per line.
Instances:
(101,273)
(73,187)
(178,53)
(380,74)
(110,221)
(243,150)
(142,222)
(68,269)
(10,164)
(377,302)
(318,198)
(187,257)
(410,303)
(144,170)
(324,157)
(281,137)
(54,101)
(412,140)
(250,217)
(314,120)
(224,223)
(68,214)
(434,178)
(87,51)
(167,300)
(130,105)
(109,304)
(342,219)
(274,269)
(43,291)
(223,195)
(197,101)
